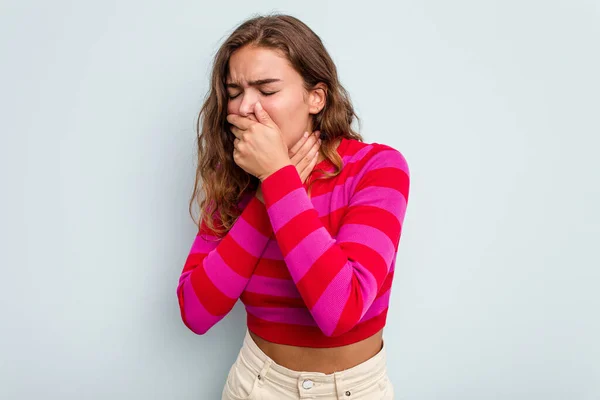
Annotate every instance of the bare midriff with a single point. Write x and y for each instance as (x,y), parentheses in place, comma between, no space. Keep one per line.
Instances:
(326,360)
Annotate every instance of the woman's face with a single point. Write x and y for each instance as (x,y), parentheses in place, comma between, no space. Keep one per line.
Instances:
(281,92)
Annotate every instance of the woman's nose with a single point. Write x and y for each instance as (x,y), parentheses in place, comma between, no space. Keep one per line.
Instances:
(248,113)
(247,105)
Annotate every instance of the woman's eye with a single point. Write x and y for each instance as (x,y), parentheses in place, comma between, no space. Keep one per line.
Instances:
(263,93)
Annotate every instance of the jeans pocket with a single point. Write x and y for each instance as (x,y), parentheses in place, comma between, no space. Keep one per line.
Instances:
(241,383)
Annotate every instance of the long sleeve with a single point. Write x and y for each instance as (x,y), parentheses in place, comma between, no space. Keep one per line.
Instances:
(338,279)
(216,270)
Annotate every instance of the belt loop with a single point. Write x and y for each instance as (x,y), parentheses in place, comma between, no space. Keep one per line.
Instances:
(264,371)
(338,385)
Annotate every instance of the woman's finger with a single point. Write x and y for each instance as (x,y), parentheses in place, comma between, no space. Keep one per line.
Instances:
(242,123)
(304,141)
(308,158)
(304,149)
(308,169)
(237,132)
(298,144)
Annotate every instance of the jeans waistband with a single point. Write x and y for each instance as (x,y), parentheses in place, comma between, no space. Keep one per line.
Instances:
(318,383)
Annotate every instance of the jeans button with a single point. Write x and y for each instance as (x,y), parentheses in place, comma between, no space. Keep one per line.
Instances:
(307,384)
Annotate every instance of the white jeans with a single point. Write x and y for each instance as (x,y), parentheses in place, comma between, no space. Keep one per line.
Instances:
(255,376)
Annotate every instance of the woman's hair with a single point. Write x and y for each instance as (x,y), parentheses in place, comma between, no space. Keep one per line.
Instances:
(223,181)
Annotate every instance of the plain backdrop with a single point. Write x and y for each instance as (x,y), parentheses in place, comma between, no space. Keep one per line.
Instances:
(495,105)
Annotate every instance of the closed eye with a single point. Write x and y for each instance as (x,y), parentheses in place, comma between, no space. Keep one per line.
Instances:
(263,93)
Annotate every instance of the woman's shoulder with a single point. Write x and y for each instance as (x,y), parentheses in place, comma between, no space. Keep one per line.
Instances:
(365,155)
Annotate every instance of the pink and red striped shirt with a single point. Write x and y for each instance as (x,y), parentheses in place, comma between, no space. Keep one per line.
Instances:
(311,271)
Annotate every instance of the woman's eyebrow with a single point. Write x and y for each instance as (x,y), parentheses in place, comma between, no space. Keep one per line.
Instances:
(258,82)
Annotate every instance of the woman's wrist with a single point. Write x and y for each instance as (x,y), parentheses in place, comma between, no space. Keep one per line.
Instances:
(280,166)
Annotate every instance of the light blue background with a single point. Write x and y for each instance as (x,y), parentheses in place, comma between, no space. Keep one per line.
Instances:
(495,105)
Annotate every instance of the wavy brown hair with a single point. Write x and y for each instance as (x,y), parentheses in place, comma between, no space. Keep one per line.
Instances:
(223,181)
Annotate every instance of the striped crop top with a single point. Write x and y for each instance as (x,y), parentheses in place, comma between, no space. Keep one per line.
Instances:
(311,271)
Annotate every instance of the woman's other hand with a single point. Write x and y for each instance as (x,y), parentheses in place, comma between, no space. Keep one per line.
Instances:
(305,153)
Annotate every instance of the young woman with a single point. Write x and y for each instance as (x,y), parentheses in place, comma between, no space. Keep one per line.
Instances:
(301,221)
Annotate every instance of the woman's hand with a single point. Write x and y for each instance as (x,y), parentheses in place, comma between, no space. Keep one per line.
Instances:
(305,153)
(259,148)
